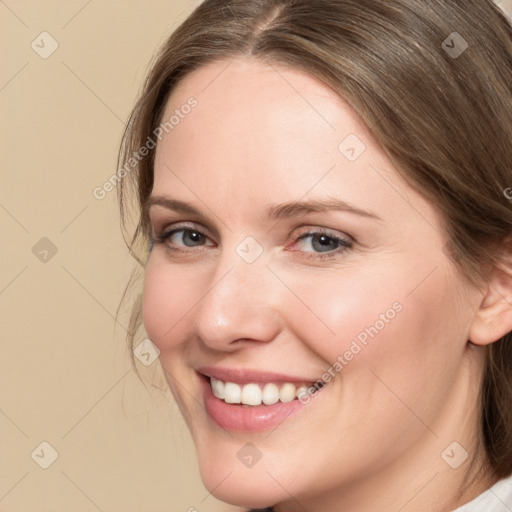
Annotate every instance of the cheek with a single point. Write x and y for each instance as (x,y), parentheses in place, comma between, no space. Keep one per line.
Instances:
(338,311)
(379,320)
(169,295)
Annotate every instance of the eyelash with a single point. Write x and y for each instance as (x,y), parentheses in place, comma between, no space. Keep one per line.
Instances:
(344,243)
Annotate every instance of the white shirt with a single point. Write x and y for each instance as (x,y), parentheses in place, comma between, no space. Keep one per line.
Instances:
(496,499)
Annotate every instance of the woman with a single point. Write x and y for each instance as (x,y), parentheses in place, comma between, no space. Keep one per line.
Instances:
(323,190)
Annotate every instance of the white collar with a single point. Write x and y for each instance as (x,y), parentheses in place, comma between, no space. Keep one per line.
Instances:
(496,499)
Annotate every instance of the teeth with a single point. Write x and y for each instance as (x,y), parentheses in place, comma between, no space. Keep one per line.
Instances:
(251,394)
(217,388)
(232,393)
(302,391)
(256,394)
(287,393)
(270,394)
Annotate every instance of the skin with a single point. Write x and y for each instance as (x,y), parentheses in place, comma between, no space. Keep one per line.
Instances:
(372,438)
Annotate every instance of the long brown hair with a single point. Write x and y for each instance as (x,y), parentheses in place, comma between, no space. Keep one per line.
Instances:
(433,81)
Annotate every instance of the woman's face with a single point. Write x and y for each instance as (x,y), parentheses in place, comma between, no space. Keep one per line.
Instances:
(299,255)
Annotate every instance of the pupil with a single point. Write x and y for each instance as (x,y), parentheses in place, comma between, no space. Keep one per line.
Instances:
(323,243)
(192,237)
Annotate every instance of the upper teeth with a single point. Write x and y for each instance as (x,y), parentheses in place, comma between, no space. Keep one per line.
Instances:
(256,394)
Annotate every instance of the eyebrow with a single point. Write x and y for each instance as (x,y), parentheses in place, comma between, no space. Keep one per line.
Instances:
(170,204)
(294,209)
(273,212)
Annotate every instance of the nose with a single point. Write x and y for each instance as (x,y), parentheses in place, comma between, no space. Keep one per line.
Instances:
(241,304)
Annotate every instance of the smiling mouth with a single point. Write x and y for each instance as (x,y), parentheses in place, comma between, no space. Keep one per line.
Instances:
(247,400)
(260,393)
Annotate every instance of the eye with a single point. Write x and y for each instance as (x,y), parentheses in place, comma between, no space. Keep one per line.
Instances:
(321,243)
(183,238)
(187,237)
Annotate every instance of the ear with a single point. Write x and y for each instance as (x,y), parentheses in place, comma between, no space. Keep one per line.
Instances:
(494,318)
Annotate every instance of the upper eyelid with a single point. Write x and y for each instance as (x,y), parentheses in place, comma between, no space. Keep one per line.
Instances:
(303,231)
(177,226)
(199,227)
(167,225)
(328,231)
(212,231)
(346,239)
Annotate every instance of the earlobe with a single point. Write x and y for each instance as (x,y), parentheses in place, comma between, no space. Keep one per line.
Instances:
(494,318)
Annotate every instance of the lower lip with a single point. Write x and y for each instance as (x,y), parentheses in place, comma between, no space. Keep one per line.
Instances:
(246,418)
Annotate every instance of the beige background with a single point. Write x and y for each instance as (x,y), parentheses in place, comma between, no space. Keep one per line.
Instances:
(65,375)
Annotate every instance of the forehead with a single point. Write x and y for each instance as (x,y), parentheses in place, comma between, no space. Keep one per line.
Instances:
(231,90)
(250,114)
(264,133)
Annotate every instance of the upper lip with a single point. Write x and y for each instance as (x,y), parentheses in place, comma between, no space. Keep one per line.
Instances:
(247,375)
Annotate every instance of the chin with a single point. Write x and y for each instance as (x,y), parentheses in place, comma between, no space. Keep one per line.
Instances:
(242,490)
(232,482)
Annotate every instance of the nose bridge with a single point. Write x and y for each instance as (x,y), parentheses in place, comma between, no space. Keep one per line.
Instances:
(238,303)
